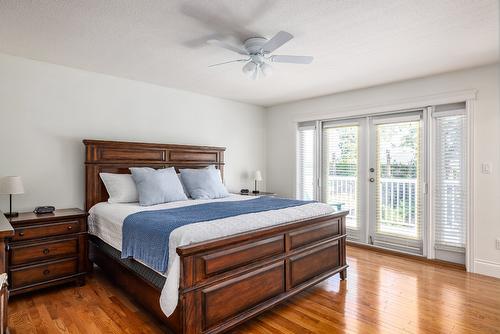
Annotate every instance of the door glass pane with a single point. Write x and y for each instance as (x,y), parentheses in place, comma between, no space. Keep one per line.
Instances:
(397,186)
(340,170)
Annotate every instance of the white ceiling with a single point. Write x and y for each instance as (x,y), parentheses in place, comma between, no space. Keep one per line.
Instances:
(355,43)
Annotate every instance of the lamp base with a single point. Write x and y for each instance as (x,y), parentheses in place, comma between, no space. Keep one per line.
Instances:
(11,214)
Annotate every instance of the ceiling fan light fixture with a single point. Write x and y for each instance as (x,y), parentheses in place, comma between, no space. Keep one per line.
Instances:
(256,73)
(266,69)
(249,68)
(259,52)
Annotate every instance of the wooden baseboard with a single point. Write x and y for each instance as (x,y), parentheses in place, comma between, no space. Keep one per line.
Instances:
(408,256)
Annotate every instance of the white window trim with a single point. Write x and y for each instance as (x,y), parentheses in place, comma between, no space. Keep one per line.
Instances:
(470,252)
(400,105)
(431,251)
(318,156)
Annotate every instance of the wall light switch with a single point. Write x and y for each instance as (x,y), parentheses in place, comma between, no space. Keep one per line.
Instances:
(497,244)
(485,168)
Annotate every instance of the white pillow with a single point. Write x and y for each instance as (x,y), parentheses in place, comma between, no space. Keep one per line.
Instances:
(121,188)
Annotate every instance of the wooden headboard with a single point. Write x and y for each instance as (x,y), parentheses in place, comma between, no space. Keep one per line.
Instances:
(117,157)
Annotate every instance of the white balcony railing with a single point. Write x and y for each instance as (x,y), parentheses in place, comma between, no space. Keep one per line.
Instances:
(342,193)
(397,200)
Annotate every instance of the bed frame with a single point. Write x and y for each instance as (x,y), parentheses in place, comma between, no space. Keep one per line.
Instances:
(228,280)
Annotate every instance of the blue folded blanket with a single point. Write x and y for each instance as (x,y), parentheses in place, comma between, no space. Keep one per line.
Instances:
(146,234)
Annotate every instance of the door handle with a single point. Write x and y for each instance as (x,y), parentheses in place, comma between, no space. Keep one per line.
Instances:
(372,179)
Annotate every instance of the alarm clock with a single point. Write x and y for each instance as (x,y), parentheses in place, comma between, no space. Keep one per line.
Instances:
(39,210)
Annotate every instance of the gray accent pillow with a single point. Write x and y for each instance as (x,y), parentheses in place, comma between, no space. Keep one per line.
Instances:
(203,183)
(156,186)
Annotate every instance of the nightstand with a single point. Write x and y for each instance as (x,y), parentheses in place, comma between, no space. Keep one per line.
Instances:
(262,193)
(47,249)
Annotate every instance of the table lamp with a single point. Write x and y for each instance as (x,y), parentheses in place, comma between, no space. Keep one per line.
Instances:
(257,177)
(11,185)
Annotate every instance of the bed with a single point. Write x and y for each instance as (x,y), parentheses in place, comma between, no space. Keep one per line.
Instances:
(222,281)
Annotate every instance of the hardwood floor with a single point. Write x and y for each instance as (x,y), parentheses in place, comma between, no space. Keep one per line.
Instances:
(383,294)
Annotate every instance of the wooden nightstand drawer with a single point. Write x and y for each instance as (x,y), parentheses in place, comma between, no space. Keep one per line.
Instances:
(47,249)
(43,272)
(47,230)
(26,253)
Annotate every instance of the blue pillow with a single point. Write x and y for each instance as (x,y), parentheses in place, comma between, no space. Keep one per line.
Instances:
(157,186)
(203,183)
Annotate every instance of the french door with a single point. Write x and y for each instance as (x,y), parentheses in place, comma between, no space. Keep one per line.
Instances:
(372,166)
(342,171)
(396,182)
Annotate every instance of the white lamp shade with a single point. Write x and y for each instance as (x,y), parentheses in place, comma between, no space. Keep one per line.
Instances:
(11,185)
(258,176)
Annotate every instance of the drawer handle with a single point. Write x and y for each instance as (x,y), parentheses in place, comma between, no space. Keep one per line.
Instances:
(21,234)
(70,227)
(46,272)
(46,251)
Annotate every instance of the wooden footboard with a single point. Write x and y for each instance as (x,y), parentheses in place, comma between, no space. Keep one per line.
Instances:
(227,281)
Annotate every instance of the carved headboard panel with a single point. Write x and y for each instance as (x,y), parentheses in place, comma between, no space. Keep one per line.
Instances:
(117,157)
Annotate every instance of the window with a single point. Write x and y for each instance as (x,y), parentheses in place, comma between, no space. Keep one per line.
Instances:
(450,180)
(306,139)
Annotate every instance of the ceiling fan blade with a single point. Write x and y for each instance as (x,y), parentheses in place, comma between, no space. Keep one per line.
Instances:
(227,62)
(292,59)
(228,46)
(278,40)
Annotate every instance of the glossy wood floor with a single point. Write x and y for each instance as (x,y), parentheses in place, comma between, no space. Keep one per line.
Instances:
(383,294)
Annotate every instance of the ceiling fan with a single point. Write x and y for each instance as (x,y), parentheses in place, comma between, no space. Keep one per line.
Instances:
(258,54)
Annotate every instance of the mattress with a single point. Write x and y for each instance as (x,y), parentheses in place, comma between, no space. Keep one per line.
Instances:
(106,221)
(140,269)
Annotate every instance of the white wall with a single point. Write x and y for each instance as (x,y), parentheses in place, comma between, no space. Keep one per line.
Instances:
(281,140)
(46,110)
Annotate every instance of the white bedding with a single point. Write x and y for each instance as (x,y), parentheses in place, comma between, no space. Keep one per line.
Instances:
(106,220)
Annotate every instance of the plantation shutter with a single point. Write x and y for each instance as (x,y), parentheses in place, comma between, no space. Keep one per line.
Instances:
(450,197)
(306,139)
